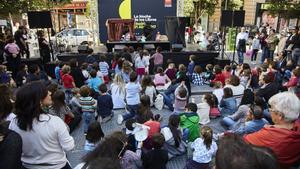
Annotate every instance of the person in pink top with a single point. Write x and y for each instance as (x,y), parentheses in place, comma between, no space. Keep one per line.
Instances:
(160,79)
(158,58)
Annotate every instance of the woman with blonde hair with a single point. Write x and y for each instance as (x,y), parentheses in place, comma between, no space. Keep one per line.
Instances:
(118,92)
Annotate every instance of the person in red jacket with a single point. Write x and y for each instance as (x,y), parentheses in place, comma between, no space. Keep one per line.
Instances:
(294,79)
(218,75)
(284,136)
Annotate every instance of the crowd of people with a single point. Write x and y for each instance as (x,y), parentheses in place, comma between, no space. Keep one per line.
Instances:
(258,107)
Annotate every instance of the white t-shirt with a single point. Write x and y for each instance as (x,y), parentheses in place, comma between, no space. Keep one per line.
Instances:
(203,113)
(133,93)
(201,154)
(118,96)
(151,92)
(46,143)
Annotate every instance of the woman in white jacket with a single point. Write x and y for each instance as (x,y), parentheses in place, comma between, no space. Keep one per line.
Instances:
(45,137)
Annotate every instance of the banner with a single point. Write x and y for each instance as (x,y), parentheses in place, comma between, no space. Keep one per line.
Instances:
(150,12)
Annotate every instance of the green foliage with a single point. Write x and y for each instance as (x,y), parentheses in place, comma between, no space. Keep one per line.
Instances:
(285,8)
(199,7)
(22,6)
(232,4)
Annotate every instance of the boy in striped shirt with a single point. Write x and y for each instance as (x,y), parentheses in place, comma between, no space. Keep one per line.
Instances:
(88,106)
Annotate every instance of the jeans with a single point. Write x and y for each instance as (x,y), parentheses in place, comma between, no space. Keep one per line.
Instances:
(240,56)
(132,111)
(271,55)
(88,117)
(185,134)
(228,122)
(168,101)
(254,54)
(264,55)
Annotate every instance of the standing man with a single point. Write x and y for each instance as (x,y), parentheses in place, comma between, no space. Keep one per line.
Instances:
(272,41)
(293,44)
(241,40)
(20,40)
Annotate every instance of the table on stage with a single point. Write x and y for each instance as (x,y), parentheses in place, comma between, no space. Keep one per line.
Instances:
(165,45)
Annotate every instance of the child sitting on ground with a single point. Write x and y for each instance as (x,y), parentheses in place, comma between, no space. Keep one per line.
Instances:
(180,100)
(204,149)
(171,71)
(197,77)
(228,103)
(94,82)
(218,75)
(74,102)
(103,67)
(189,123)
(227,71)
(218,91)
(148,88)
(161,79)
(245,78)
(93,136)
(104,104)
(208,75)
(156,158)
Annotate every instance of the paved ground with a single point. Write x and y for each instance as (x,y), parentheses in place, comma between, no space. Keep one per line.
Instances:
(111,126)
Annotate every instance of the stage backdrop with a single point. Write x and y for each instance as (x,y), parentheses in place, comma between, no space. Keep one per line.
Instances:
(143,11)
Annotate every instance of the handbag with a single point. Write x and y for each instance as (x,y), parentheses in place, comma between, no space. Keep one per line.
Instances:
(159,102)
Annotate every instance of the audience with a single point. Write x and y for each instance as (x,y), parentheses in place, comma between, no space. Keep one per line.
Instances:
(36,120)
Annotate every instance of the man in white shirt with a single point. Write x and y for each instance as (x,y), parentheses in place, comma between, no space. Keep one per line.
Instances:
(241,40)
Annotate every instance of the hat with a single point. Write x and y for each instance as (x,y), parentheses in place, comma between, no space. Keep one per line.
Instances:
(140,132)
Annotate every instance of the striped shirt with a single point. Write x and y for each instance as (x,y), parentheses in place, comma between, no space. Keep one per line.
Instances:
(103,66)
(88,104)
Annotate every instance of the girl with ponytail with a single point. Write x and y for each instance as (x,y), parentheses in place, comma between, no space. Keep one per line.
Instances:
(204,149)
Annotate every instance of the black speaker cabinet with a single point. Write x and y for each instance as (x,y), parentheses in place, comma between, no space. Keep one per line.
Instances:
(39,19)
(232,18)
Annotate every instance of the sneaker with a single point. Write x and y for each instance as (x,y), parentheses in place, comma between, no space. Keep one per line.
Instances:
(120,119)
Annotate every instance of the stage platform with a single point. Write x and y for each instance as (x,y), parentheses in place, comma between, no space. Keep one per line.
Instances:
(166,46)
(202,57)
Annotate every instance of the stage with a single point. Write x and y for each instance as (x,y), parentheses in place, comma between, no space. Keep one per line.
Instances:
(166,46)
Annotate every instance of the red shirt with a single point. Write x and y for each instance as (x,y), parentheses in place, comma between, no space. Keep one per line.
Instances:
(68,81)
(154,127)
(292,82)
(219,77)
(226,74)
(285,143)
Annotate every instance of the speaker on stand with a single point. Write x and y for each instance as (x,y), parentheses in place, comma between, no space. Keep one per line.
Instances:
(41,19)
(231,19)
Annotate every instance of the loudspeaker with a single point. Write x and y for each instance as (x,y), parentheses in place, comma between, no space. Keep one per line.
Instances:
(39,19)
(238,18)
(175,29)
(232,18)
(177,47)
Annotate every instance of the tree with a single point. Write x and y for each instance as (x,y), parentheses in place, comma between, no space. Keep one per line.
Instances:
(284,8)
(196,8)
(21,6)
